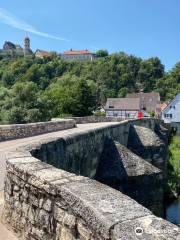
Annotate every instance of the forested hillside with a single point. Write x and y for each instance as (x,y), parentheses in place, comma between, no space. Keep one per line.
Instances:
(34,89)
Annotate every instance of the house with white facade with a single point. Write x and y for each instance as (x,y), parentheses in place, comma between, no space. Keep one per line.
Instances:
(122,107)
(80,55)
(171,113)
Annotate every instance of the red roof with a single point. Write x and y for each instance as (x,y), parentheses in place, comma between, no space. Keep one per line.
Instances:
(41,53)
(77,52)
(163,106)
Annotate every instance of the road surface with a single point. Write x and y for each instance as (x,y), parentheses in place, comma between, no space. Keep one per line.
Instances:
(13,144)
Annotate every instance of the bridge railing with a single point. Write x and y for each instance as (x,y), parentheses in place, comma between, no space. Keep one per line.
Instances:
(43,202)
(14,131)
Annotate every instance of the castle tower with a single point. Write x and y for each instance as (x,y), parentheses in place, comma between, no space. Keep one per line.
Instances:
(27,49)
(26,43)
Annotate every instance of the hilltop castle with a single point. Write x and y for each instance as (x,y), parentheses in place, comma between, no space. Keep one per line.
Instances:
(14,50)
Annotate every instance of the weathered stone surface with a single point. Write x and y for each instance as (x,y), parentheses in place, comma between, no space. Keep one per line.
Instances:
(146,143)
(135,165)
(84,232)
(43,202)
(59,213)
(71,152)
(66,234)
(101,207)
(25,130)
(69,220)
(127,173)
(149,228)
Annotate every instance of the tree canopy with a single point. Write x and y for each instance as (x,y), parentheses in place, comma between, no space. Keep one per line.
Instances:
(37,89)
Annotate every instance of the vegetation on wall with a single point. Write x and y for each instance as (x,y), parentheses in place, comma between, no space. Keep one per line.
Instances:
(174,165)
(37,89)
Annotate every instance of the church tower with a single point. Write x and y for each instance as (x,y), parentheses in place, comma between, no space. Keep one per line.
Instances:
(27,49)
(26,43)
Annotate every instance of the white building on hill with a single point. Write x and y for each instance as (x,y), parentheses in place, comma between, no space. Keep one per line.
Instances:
(171,114)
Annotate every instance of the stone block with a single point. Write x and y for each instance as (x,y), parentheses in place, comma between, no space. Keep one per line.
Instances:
(69,220)
(83,231)
(18,207)
(39,234)
(58,213)
(16,188)
(33,199)
(25,210)
(47,205)
(8,186)
(91,199)
(67,234)
(32,216)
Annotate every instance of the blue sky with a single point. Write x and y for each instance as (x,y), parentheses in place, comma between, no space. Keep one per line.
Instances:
(144,28)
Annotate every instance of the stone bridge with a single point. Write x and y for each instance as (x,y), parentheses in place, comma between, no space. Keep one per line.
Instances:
(85,179)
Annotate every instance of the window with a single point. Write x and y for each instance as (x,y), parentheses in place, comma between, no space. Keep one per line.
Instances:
(111,106)
(173,107)
(168,115)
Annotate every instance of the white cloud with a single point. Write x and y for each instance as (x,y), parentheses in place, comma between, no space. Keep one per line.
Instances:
(11,20)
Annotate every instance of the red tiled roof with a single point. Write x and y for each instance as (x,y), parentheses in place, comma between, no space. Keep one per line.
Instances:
(163,106)
(41,53)
(77,52)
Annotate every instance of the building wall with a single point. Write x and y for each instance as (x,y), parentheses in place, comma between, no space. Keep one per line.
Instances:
(172,112)
(79,57)
(13,52)
(121,113)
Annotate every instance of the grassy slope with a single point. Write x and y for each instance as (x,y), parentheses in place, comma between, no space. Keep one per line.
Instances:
(174,164)
(175,151)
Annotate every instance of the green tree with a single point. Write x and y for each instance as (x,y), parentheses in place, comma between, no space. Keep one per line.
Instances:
(150,71)
(102,53)
(71,95)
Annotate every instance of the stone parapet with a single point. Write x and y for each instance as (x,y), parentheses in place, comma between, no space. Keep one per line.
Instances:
(94,119)
(43,202)
(52,193)
(8,132)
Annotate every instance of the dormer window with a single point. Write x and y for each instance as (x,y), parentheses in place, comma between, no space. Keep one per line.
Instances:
(111,106)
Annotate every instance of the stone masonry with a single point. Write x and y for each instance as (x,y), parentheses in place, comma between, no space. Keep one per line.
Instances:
(42,202)
(8,132)
(50,194)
